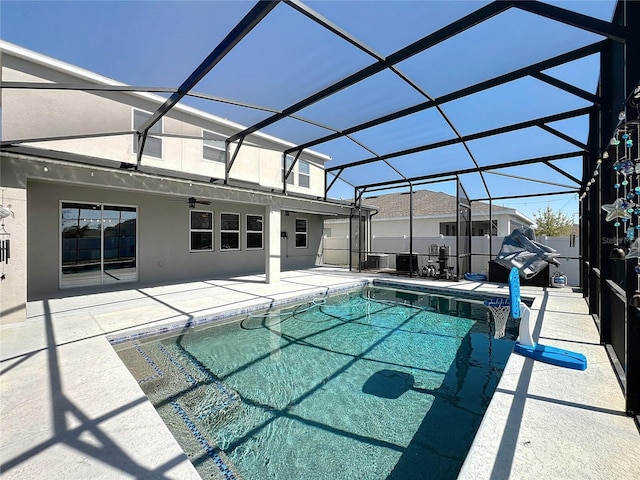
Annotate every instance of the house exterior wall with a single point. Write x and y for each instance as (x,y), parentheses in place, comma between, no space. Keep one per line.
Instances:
(33,113)
(38,176)
(162,239)
(422,227)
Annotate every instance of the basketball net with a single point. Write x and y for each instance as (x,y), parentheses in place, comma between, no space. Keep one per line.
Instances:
(499,308)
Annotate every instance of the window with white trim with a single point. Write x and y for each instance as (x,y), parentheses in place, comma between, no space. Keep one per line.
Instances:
(213,147)
(288,163)
(200,231)
(303,173)
(153,144)
(230,231)
(301,233)
(254,232)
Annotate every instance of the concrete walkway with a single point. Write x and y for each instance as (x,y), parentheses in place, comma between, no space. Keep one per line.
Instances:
(70,409)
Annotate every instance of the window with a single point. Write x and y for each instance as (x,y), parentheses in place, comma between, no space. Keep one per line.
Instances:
(153,145)
(288,163)
(254,232)
(229,231)
(303,173)
(213,147)
(201,231)
(481,228)
(448,229)
(301,233)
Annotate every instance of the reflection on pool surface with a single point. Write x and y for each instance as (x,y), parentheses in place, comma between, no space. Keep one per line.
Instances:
(374,384)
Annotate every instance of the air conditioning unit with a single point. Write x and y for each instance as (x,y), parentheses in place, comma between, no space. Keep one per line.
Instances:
(406,262)
(378,261)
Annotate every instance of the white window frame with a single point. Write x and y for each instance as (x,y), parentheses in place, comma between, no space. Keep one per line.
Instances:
(247,232)
(304,233)
(304,172)
(150,134)
(287,165)
(222,248)
(201,230)
(216,148)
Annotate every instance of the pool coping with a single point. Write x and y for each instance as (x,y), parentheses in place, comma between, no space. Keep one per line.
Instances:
(225,315)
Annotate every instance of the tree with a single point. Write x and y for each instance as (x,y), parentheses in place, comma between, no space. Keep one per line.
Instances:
(552,224)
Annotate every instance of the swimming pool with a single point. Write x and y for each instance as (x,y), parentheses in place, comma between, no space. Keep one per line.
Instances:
(374,384)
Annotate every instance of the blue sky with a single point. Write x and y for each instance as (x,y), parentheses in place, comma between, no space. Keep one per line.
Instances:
(287,57)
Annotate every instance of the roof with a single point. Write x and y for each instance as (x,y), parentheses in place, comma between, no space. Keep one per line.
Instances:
(428,203)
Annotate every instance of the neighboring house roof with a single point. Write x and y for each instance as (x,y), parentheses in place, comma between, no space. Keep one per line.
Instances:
(427,203)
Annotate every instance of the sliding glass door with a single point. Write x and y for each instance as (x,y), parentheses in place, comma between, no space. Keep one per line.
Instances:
(98,244)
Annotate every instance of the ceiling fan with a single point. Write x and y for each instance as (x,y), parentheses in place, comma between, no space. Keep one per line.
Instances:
(192,202)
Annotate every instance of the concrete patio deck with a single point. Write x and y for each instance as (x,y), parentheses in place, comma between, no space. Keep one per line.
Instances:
(70,408)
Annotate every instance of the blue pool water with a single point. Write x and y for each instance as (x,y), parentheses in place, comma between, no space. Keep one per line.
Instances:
(376,384)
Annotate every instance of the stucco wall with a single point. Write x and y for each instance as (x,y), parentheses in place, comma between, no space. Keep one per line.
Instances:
(293,257)
(422,227)
(50,113)
(12,288)
(163,237)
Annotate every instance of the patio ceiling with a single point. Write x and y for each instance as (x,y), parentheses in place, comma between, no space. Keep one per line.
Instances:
(397,91)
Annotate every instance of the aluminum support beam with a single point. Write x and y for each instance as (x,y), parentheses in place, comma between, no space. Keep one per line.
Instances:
(502,79)
(578,20)
(250,20)
(562,136)
(424,43)
(474,136)
(473,170)
(562,172)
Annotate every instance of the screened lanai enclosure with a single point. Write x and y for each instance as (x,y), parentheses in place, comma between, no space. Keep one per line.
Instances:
(506,99)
